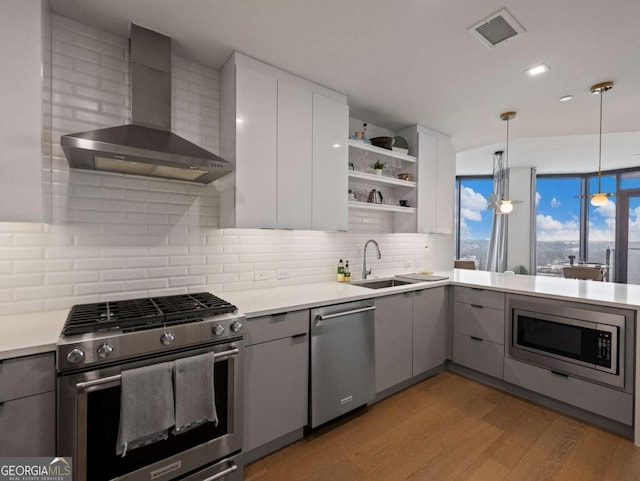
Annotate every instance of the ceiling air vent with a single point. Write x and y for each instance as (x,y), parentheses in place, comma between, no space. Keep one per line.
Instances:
(498,28)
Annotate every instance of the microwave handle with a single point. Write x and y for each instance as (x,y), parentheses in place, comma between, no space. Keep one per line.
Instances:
(82,386)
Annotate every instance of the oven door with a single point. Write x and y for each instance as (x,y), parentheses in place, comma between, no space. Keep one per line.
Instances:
(89,414)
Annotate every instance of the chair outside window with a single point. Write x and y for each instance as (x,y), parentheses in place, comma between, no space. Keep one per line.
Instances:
(465,265)
(582,272)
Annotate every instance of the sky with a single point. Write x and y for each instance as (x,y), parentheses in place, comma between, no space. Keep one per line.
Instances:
(558,210)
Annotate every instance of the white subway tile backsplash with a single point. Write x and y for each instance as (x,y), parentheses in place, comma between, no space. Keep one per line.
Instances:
(98,288)
(146,284)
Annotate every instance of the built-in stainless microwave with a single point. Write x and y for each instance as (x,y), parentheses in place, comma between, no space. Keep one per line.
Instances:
(572,339)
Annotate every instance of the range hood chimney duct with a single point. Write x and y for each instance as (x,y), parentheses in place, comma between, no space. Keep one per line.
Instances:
(146,146)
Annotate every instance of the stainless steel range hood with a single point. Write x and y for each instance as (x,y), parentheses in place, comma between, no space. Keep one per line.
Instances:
(147,146)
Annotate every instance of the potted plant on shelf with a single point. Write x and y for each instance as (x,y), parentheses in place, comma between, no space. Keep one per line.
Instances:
(377,167)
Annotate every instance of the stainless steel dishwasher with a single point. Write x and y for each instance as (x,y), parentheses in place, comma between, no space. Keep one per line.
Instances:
(342,360)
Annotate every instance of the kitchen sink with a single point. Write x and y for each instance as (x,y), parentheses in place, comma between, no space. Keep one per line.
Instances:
(381,283)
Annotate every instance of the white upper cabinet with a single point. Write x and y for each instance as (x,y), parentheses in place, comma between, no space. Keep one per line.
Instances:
(286,136)
(330,163)
(21,113)
(295,138)
(256,142)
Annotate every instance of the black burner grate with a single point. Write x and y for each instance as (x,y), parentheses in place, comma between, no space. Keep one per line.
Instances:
(143,313)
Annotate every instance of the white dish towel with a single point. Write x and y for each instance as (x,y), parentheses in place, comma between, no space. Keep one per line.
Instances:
(146,406)
(194,388)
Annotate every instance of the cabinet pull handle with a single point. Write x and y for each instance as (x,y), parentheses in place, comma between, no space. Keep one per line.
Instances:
(476,338)
(476,289)
(477,306)
(295,336)
(561,374)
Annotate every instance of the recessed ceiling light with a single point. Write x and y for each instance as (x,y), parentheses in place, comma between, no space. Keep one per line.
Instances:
(537,70)
(566,98)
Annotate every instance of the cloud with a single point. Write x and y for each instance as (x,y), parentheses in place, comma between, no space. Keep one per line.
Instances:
(472,204)
(555,203)
(538,197)
(546,222)
(608,210)
(550,229)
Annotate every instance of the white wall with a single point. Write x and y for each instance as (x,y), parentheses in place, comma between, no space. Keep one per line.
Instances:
(113,236)
(519,234)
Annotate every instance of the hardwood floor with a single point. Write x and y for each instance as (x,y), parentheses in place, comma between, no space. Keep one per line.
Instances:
(452,428)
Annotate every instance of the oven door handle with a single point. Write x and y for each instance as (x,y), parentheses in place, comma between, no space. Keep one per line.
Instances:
(82,386)
(222,474)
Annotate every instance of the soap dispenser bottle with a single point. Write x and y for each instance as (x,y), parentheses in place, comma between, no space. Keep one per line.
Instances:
(347,273)
(340,277)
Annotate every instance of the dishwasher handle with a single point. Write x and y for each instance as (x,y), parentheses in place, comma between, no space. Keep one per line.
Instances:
(324,317)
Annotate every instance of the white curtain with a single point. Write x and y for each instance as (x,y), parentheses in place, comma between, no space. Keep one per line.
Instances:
(497,255)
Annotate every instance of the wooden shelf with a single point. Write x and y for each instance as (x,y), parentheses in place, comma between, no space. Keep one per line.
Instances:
(354,204)
(379,150)
(380,179)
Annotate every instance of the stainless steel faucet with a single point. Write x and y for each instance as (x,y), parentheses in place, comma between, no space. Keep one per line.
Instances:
(366,272)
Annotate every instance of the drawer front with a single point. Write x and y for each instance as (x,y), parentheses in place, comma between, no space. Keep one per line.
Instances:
(27,426)
(607,402)
(25,376)
(479,297)
(479,321)
(483,356)
(277,326)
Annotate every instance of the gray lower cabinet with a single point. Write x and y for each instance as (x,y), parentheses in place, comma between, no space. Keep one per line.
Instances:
(430,311)
(607,402)
(393,340)
(27,406)
(276,366)
(411,335)
(478,330)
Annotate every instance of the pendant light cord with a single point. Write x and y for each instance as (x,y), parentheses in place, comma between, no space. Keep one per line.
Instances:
(599,145)
(506,166)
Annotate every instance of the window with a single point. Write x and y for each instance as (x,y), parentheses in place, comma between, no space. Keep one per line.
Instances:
(557,222)
(473,219)
(601,232)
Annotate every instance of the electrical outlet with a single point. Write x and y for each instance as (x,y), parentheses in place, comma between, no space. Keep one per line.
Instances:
(260,275)
(283,274)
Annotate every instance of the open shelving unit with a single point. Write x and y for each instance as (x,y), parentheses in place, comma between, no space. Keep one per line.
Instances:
(354,204)
(379,150)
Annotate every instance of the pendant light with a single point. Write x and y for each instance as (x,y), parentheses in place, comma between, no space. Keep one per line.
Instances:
(600,198)
(506,205)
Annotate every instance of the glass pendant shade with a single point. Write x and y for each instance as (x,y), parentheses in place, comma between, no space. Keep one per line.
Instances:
(599,199)
(506,206)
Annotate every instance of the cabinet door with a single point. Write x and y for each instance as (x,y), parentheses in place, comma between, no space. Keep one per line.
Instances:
(295,111)
(256,137)
(427,182)
(445,189)
(330,160)
(21,114)
(429,329)
(393,321)
(27,426)
(275,389)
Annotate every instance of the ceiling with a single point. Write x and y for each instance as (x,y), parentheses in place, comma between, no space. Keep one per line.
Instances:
(413,61)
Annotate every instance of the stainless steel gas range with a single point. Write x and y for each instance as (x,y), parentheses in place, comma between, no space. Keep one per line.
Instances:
(101,341)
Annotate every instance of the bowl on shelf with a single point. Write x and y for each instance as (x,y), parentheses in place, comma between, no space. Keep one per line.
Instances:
(400,150)
(384,142)
(405,176)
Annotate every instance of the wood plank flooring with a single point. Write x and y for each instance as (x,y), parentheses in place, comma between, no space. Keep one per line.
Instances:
(449,428)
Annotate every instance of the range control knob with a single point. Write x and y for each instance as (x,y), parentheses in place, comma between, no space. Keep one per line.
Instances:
(218,329)
(75,355)
(236,326)
(167,338)
(105,350)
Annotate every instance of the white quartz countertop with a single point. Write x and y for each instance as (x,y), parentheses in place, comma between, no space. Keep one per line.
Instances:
(33,333)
